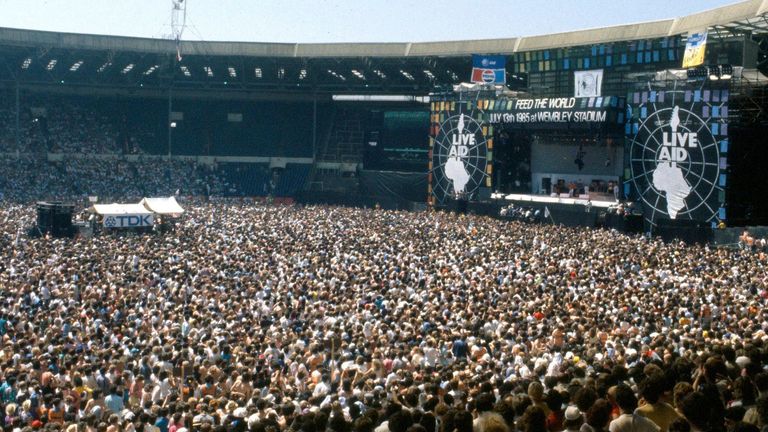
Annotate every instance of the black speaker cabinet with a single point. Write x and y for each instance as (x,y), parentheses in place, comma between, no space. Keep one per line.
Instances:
(55,218)
(688,231)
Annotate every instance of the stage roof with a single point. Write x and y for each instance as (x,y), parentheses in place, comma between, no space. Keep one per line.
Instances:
(164,206)
(119,209)
(65,59)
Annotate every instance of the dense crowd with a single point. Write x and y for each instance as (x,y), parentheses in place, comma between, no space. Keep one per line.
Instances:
(66,125)
(36,178)
(323,319)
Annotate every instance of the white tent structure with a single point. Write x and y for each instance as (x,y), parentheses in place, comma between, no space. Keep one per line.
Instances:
(119,209)
(124,215)
(162,206)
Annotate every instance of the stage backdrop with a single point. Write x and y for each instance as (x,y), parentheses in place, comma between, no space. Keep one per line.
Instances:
(460,150)
(676,148)
(461,136)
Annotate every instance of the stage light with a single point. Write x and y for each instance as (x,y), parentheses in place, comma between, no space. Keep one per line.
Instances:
(726,71)
(150,70)
(714,73)
(360,75)
(700,72)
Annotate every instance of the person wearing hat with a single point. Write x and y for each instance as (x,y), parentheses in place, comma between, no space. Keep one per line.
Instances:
(572,419)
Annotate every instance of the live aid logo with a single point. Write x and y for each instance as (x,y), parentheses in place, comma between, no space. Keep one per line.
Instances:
(674,146)
(461,143)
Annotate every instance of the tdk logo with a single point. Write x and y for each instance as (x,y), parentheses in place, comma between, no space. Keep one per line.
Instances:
(129,221)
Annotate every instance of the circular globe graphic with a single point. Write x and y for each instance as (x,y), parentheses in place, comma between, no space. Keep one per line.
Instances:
(674,164)
(459,157)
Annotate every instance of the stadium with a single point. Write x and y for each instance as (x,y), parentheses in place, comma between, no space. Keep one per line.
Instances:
(546,233)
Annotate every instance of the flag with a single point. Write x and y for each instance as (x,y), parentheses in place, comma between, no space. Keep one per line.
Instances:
(588,83)
(695,49)
(489,69)
(547,214)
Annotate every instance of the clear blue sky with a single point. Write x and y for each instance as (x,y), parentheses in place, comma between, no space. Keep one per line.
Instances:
(340,20)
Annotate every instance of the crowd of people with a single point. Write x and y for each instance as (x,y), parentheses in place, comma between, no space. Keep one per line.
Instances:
(521,213)
(748,241)
(62,125)
(315,319)
(29,178)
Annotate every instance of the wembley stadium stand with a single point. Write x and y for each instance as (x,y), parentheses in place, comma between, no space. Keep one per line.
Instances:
(215,313)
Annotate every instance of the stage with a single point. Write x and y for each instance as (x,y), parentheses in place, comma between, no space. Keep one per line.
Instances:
(601,201)
(578,156)
(561,211)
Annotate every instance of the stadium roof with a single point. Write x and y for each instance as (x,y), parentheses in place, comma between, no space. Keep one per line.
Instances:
(48,57)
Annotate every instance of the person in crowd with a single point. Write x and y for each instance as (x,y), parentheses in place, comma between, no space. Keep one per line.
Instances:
(656,410)
(309,318)
(628,421)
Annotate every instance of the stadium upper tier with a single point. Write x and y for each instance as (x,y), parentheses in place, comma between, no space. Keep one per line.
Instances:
(746,15)
(36,57)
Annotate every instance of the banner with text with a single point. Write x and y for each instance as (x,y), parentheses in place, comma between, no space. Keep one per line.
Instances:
(129,221)
(677,144)
(489,69)
(556,113)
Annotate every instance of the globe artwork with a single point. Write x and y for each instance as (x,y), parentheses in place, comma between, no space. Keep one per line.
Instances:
(459,157)
(674,161)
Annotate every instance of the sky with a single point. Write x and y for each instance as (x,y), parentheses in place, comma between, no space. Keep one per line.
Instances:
(326,21)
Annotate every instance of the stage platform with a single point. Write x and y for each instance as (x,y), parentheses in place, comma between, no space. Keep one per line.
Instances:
(601,200)
(565,211)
